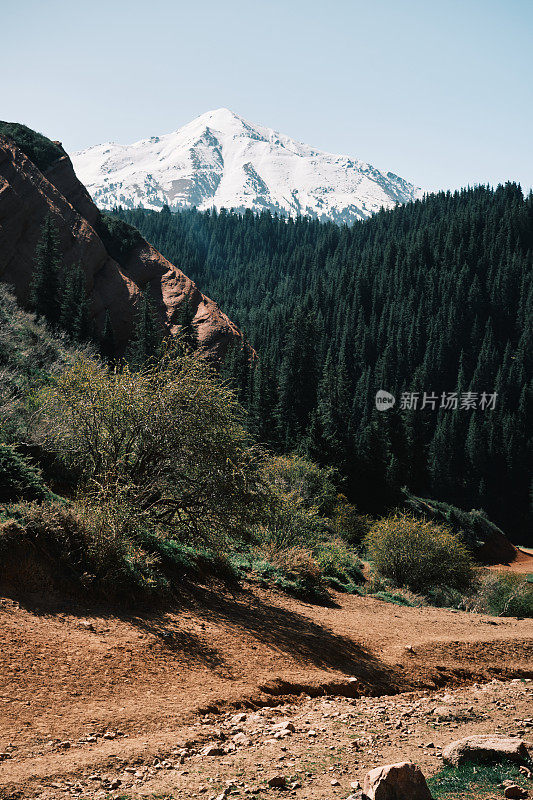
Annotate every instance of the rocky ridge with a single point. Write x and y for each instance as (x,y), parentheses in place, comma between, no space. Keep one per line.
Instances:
(28,195)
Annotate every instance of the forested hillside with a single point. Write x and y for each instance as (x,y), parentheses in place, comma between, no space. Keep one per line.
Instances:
(431,301)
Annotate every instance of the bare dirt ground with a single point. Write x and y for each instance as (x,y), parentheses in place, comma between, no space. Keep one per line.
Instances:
(523,562)
(137,698)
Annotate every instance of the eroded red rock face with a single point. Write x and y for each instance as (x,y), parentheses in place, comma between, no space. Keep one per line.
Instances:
(27,196)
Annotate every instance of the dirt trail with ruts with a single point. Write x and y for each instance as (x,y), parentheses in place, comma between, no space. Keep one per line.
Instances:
(91,692)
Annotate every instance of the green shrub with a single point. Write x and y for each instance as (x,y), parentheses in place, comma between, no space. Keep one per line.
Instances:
(19,478)
(295,572)
(37,147)
(311,484)
(392,597)
(169,437)
(418,553)
(118,237)
(348,522)
(339,564)
(504,594)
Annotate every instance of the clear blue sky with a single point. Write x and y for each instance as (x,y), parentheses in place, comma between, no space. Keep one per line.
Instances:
(438,91)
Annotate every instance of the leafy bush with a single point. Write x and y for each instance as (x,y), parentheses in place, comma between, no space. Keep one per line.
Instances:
(295,539)
(19,478)
(339,564)
(168,437)
(37,147)
(294,571)
(348,522)
(418,553)
(29,354)
(311,484)
(504,594)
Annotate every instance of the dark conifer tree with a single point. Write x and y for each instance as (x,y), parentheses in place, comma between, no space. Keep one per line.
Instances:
(44,288)
(107,341)
(75,317)
(147,337)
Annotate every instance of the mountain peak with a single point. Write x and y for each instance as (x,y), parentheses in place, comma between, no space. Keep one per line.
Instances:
(221,160)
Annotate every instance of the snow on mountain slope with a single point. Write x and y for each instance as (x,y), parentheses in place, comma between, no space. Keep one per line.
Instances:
(221,160)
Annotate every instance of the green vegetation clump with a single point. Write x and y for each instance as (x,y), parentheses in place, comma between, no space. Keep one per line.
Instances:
(37,147)
(118,237)
(96,552)
(474,526)
(168,438)
(19,478)
(418,554)
(296,537)
(473,780)
(30,354)
(504,594)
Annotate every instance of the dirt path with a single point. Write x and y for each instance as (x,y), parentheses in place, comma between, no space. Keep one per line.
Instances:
(522,563)
(70,677)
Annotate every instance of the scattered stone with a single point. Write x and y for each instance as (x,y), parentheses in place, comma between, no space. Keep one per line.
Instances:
(285,726)
(242,739)
(277,781)
(485,748)
(515,792)
(402,781)
(212,750)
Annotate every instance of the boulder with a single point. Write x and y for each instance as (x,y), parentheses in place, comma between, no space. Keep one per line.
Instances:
(486,748)
(402,781)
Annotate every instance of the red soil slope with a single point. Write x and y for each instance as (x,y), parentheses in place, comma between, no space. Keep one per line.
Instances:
(27,196)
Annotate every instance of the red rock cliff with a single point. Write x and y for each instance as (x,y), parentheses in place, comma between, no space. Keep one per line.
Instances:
(27,196)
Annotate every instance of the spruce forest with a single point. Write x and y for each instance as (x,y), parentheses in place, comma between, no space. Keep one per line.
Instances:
(431,302)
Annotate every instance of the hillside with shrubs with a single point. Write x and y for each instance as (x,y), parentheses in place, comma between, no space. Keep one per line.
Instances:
(127,482)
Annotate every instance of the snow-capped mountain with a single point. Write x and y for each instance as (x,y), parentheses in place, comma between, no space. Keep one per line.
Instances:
(221,160)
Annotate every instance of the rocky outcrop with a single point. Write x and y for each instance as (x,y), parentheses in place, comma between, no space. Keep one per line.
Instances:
(27,196)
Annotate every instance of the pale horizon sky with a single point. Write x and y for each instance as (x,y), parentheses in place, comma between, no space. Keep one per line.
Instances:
(439,92)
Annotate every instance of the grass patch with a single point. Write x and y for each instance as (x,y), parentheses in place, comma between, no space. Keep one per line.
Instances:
(392,597)
(474,780)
